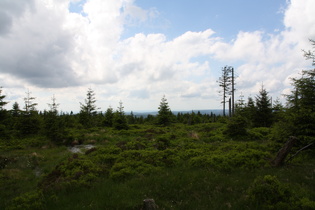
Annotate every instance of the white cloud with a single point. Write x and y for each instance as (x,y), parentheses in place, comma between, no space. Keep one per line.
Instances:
(299,21)
(46,46)
(271,59)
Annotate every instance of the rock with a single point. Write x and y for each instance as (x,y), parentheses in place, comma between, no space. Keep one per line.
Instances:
(149,204)
(75,142)
(92,141)
(34,154)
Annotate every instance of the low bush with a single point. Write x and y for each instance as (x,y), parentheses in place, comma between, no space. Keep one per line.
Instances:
(236,127)
(31,200)
(227,158)
(260,133)
(127,169)
(268,192)
(75,171)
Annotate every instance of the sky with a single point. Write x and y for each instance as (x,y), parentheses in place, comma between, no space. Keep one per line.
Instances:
(137,51)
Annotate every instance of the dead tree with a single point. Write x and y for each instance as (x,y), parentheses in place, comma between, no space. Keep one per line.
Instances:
(304,148)
(284,151)
(224,83)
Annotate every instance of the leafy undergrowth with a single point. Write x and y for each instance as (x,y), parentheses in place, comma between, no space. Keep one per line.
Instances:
(181,167)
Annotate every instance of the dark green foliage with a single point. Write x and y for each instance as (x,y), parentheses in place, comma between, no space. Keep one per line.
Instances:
(16,111)
(3,112)
(127,169)
(180,166)
(162,143)
(74,172)
(88,110)
(2,102)
(227,159)
(263,117)
(236,127)
(301,113)
(259,113)
(131,118)
(30,200)
(248,111)
(278,111)
(299,117)
(269,193)
(120,120)
(260,133)
(109,116)
(3,117)
(165,115)
(29,121)
(29,124)
(54,127)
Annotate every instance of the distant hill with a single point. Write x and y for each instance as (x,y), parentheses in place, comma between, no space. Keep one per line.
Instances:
(206,111)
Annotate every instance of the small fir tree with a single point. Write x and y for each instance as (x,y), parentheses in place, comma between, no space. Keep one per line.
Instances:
(29,123)
(88,109)
(3,116)
(30,105)
(248,111)
(16,111)
(3,112)
(53,106)
(278,110)
(263,116)
(109,116)
(54,124)
(120,121)
(2,102)
(165,114)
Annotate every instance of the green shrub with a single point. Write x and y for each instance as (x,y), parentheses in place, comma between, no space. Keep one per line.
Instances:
(210,161)
(32,200)
(228,157)
(270,193)
(215,138)
(152,157)
(75,171)
(136,145)
(162,143)
(250,158)
(190,153)
(127,169)
(236,127)
(260,133)
(306,203)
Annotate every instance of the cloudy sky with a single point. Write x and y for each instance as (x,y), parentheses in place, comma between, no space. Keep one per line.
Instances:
(136,51)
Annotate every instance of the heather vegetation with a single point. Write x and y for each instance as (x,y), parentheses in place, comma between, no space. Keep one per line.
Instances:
(114,160)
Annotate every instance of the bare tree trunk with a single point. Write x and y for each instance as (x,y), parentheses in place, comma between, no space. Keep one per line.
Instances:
(230,108)
(224,90)
(284,151)
(233,90)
